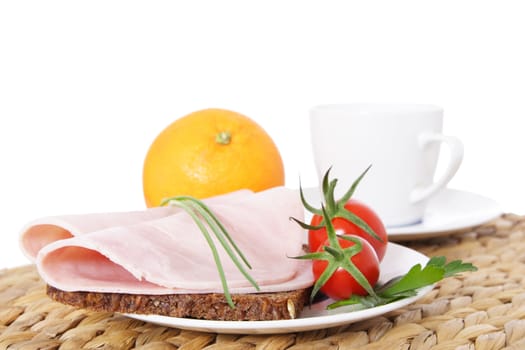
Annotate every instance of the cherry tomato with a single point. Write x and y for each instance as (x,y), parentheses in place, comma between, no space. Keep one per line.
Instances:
(342,226)
(341,285)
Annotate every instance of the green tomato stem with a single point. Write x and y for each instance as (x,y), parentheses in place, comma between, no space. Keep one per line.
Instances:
(323,278)
(330,231)
(306,204)
(346,197)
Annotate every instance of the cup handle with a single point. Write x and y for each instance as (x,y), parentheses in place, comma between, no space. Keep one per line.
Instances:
(456,156)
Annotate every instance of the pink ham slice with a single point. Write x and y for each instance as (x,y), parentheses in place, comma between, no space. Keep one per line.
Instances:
(170,255)
(40,232)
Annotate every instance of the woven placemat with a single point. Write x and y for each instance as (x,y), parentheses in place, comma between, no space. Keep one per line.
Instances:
(479,310)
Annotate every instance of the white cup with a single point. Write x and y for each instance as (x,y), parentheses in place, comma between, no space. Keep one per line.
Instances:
(400,141)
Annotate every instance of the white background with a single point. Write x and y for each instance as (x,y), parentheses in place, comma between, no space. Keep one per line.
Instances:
(86,86)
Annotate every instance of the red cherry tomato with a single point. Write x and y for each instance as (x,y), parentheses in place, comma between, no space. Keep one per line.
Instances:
(342,284)
(342,226)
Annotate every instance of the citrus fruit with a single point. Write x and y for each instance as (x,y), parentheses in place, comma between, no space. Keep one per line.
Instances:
(210,152)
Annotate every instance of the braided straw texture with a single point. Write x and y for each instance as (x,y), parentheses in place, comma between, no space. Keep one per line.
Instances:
(479,310)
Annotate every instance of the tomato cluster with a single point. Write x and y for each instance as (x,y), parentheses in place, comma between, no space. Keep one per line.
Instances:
(342,284)
(347,241)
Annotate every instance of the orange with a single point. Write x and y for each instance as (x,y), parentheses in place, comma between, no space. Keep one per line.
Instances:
(210,152)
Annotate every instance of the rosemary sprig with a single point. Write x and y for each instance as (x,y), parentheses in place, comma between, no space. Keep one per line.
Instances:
(205,221)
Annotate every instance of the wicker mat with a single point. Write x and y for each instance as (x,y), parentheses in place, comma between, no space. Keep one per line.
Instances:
(480,310)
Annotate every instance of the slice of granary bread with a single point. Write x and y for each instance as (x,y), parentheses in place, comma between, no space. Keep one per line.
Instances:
(213,306)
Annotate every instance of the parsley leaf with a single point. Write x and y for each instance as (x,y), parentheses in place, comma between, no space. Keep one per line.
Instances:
(416,278)
(407,285)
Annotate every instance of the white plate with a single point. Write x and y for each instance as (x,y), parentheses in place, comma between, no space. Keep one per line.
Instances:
(448,212)
(398,260)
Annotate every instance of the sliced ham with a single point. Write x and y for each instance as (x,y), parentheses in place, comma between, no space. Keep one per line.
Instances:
(170,255)
(40,232)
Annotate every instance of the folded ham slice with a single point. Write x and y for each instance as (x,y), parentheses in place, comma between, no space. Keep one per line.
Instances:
(43,231)
(170,255)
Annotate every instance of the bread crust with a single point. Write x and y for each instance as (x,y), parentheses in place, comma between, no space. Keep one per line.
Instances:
(213,306)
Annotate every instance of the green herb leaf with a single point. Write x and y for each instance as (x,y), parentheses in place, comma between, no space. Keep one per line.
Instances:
(416,278)
(407,285)
(457,266)
(437,260)
(364,302)
(205,221)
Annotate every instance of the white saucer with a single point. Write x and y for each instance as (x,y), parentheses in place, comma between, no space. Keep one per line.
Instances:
(449,211)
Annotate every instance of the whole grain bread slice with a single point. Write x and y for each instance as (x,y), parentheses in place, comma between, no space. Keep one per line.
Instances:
(213,306)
